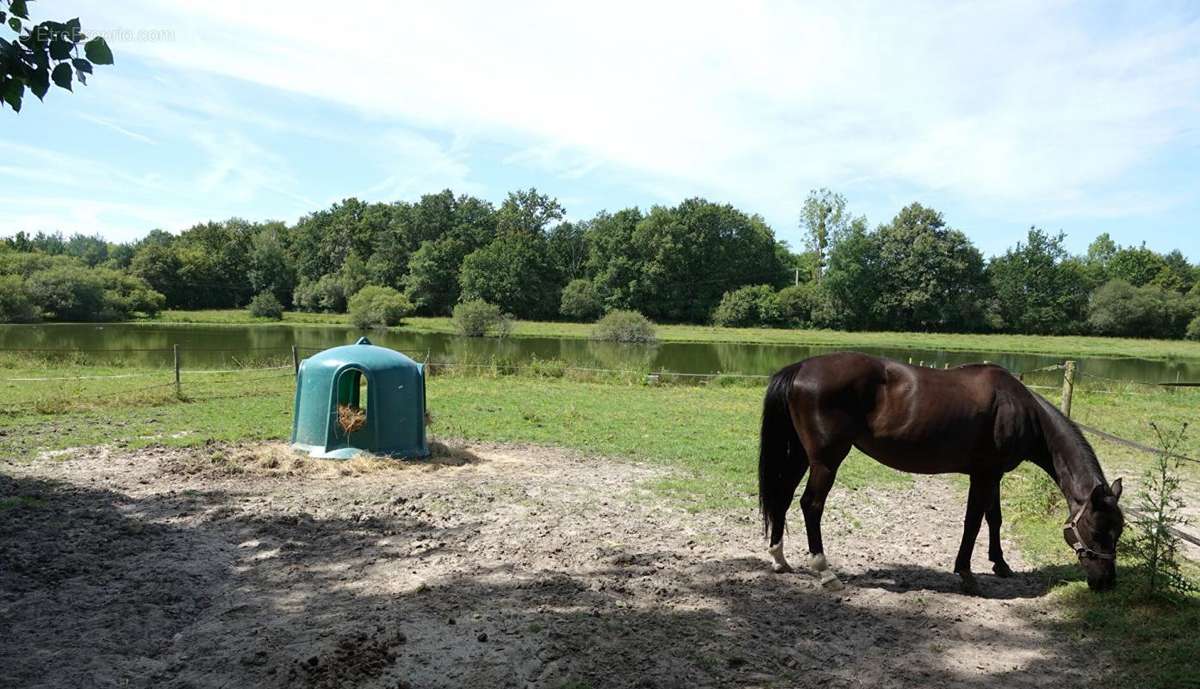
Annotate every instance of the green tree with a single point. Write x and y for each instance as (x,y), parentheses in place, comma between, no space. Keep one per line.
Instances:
(580,301)
(1176,273)
(432,280)
(1120,309)
(515,274)
(851,282)
(567,247)
(695,252)
(39,54)
(1136,265)
(270,267)
(612,258)
(911,274)
(1036,289)
(822,217)
(16,304)
(527,212)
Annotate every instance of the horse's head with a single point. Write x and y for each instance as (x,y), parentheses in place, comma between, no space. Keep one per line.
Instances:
(1092,533)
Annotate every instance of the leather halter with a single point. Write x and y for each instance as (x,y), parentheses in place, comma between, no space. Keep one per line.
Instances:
(1071,531)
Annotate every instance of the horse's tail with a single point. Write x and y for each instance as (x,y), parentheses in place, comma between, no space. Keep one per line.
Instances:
(780,453)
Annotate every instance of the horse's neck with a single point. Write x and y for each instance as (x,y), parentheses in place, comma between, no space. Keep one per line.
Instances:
(1074,464)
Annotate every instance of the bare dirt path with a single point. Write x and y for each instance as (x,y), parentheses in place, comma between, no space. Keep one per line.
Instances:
(522,567)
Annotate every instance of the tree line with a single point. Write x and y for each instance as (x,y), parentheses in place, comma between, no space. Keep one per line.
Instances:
(695,262)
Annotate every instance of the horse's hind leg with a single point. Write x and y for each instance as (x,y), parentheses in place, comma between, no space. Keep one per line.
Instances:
(995,552)
(822,472)
(777,515)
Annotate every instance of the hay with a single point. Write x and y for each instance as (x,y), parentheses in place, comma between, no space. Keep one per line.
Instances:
(351,419)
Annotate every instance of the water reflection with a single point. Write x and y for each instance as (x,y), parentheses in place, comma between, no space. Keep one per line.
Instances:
(219,346)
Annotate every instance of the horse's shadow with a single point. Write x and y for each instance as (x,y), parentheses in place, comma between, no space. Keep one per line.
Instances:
(905,578)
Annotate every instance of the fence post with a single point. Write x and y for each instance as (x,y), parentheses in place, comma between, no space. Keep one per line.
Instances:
(175,351)
(1068,386)
(296,361)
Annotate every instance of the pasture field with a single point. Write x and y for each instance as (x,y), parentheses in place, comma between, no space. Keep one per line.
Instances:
(1066,346)
(689,450)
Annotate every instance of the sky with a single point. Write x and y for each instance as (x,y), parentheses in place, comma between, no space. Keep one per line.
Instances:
(1076,117)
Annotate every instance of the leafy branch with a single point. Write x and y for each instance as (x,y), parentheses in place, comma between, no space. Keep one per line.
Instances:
(44,53)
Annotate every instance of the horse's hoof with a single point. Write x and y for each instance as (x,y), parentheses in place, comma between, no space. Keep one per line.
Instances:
(1002,570)
(830,582)
(781,567)
(969,585)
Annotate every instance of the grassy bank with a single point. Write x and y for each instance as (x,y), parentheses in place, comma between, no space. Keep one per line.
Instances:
(1065,346)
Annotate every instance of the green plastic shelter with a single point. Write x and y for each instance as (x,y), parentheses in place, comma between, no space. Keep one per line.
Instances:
(393,400)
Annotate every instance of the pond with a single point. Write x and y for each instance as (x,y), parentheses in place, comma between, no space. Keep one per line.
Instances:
(218,346)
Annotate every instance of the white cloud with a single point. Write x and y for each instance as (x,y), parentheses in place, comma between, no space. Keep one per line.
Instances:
(1042,104)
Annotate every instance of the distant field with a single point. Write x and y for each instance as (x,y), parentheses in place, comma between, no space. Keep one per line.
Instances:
(1019,344)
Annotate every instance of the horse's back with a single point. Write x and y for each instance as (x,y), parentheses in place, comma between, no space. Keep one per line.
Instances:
(909,417)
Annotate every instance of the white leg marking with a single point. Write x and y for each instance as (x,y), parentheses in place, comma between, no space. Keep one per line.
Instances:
(781,564)
(819,563)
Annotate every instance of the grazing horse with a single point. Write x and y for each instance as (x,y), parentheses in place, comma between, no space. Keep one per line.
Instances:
(976,420)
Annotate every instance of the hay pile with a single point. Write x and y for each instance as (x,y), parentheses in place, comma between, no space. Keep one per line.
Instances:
(351,419)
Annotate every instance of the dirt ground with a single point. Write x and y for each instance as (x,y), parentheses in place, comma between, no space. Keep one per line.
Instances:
(502,566)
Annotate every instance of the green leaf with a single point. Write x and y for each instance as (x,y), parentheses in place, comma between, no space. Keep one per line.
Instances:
(18,8)
(62,76)
(82,65)
(14,24)
(60,49)
(13,90)
(39,83)
(97,51)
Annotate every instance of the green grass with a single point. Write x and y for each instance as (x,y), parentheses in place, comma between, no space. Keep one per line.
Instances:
(1018,344)
(1153,641)
(707,434)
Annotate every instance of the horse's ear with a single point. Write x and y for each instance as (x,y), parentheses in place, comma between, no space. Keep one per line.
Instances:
(1099,493)
(1116,489)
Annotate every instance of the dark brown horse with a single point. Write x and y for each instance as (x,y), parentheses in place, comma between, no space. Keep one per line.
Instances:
(976,420)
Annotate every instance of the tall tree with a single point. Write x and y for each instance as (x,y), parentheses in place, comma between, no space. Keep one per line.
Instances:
(694,253)
(1037,289)
(822,216)
(528,212)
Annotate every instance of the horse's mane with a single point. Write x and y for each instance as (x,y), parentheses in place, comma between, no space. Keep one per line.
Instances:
(1067,440)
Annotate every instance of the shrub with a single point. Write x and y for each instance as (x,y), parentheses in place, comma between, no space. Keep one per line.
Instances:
(326,294)
(378,307)
(266,305)
(1193,329)
(748,306)
(16,306)
(580,300)
(624,326)
(477,318)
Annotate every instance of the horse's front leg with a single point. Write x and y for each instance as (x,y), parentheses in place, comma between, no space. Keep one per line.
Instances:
(995,552)
(979,501)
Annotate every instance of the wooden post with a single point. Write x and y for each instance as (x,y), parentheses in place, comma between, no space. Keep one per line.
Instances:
(1068,386)
(178,389)
(295,361)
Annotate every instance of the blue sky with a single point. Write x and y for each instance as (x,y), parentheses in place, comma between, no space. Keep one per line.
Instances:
(1075,117)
